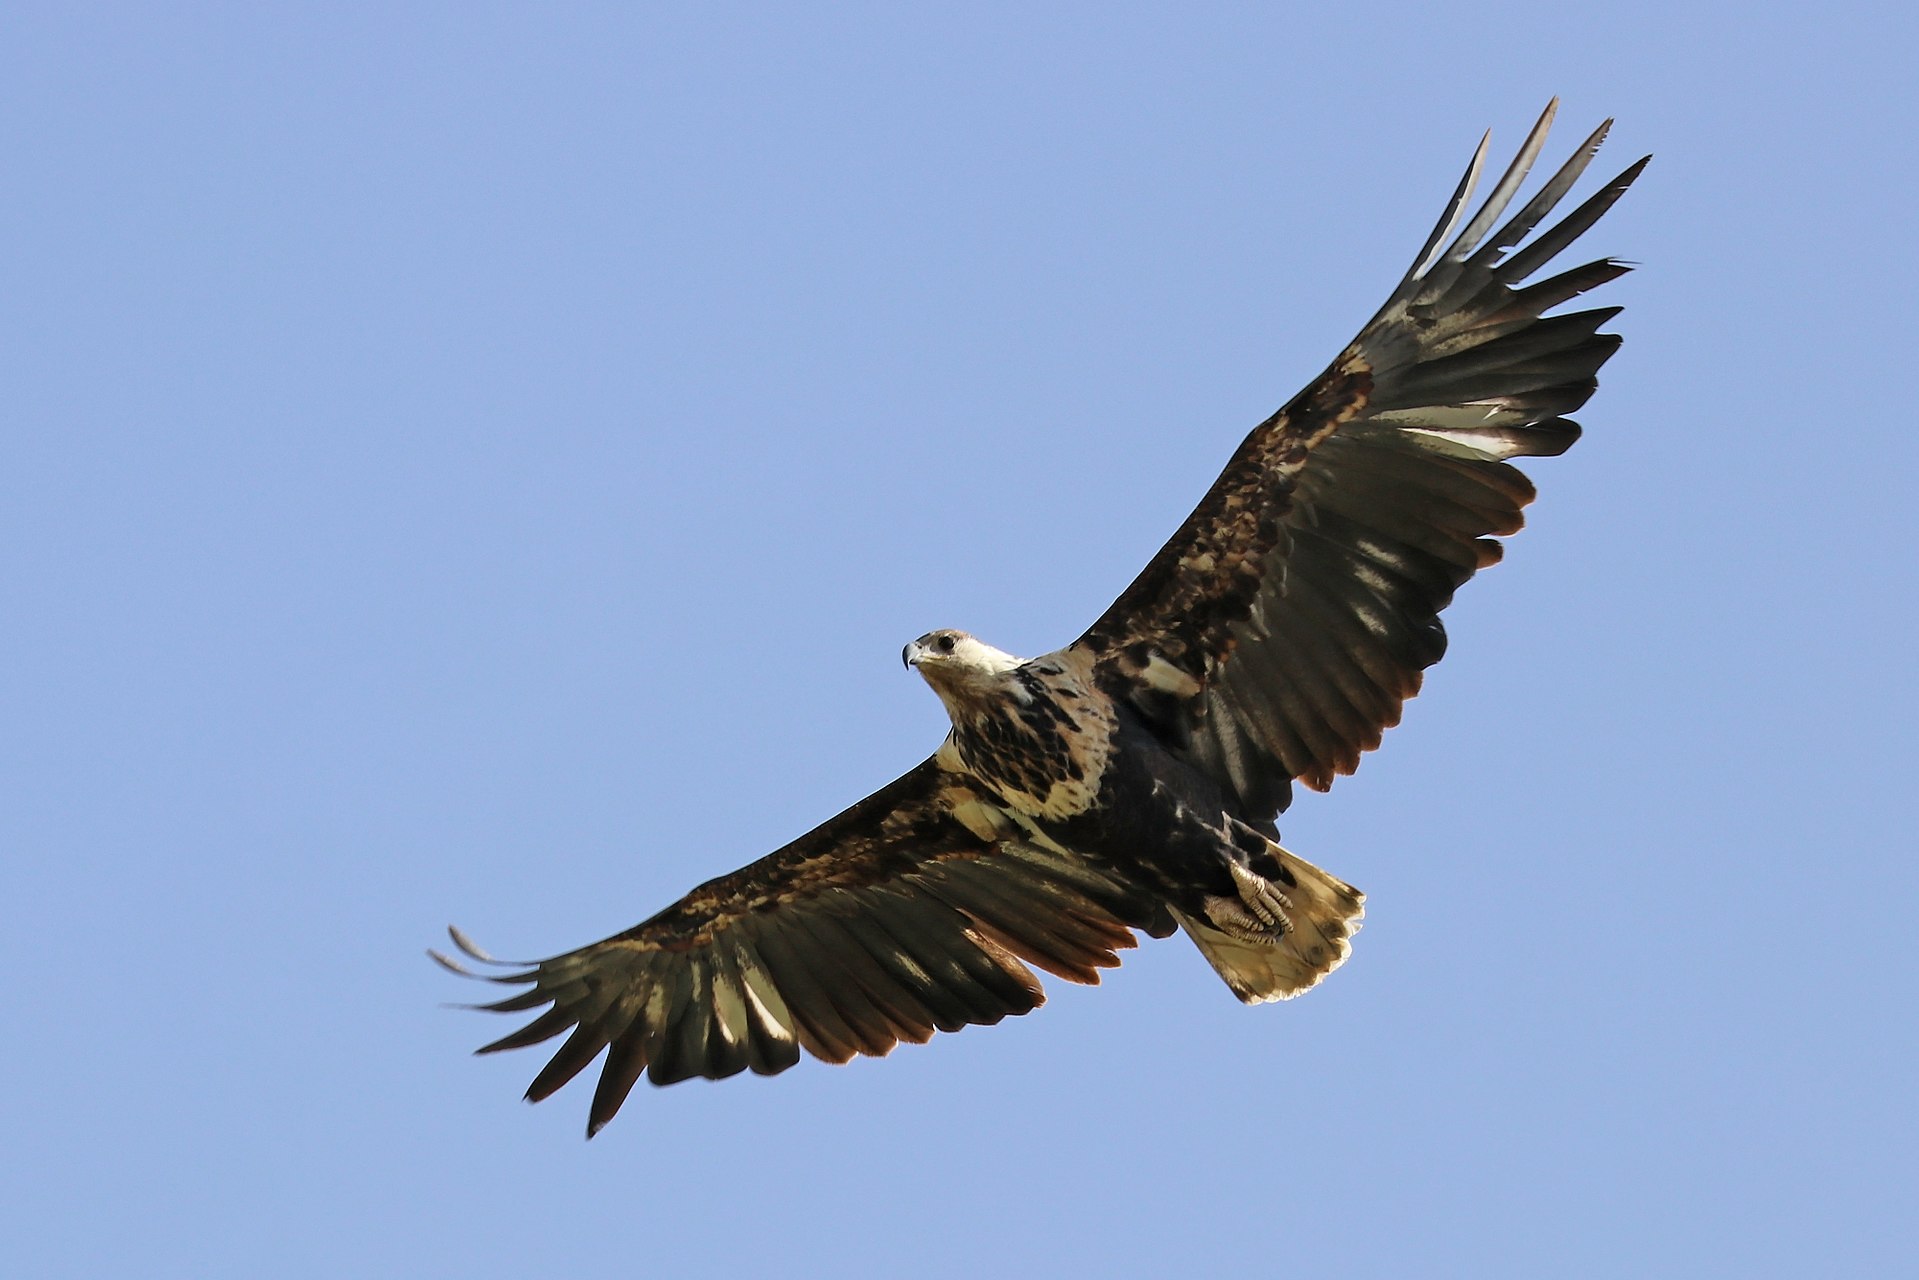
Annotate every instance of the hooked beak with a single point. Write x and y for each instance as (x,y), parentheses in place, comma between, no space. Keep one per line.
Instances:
(910,655)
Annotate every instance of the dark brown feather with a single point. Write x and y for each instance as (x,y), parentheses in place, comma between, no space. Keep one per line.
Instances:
(1302,595)
(847,941)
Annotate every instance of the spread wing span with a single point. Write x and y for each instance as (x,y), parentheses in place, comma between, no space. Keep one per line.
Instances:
(910,912)
(1279,631)
(1271,640)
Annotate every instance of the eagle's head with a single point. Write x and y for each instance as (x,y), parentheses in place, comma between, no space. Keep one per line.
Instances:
(956,664)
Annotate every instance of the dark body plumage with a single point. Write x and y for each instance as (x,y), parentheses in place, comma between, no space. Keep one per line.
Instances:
(1131,780)
(1155,819)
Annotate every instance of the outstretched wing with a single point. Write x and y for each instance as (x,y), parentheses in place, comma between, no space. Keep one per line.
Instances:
(909,913)
(1281,629)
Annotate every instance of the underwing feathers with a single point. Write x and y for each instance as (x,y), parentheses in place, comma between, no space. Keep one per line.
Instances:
(1130,782)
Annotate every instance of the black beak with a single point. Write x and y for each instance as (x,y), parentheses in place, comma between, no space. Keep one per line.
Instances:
(906,657)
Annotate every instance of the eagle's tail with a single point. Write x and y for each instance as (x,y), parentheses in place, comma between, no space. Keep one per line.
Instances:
(1277,940)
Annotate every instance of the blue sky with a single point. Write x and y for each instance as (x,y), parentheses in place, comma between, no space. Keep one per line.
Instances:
(479,463)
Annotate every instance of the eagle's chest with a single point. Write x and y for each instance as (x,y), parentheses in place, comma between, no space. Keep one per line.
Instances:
(1042,747)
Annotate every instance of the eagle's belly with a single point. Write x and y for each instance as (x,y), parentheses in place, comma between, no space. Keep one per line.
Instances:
(1079,774)
(1160,820)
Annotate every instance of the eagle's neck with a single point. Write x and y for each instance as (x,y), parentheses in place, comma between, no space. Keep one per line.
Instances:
(973,679)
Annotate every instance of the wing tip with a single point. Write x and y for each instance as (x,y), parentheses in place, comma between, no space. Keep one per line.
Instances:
(467,945)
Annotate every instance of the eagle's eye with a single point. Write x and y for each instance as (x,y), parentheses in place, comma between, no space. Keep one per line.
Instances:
(945,644)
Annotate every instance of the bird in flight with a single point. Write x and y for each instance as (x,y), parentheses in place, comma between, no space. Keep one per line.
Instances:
(1131,780)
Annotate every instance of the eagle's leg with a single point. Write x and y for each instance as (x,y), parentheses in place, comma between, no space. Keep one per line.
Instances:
(1285,925)
(1258,912)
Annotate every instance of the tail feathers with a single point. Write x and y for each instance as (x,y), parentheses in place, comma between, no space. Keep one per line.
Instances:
(1323,912)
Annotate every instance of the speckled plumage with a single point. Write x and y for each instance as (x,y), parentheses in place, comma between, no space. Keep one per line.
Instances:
(1130,781)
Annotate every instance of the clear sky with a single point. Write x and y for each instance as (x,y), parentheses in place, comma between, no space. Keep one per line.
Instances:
(479,463)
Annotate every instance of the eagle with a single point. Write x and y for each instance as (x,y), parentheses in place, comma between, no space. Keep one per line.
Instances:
(1130,782)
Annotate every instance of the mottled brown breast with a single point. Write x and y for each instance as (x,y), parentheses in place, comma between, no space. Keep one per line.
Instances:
(1042,741)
